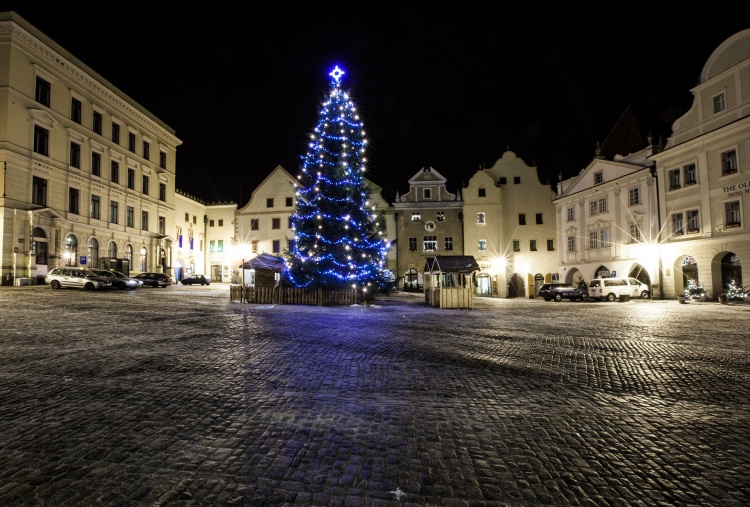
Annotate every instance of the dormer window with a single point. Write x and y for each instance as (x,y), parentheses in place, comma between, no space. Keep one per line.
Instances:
(598,177)
(720,103)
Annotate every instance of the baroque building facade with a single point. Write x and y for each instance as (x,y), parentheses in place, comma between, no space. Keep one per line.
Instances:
(88,173)
(704,179)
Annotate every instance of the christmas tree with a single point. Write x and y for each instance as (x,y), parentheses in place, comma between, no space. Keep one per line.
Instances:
(338,241)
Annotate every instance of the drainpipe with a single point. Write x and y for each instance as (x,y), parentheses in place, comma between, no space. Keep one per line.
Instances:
(658,236)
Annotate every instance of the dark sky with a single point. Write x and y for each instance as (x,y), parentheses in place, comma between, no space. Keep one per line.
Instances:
(451,89)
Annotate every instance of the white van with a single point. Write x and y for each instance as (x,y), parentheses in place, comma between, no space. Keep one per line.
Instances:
(612,288)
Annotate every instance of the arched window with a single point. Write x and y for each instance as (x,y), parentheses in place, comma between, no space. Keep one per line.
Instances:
(40,246)
(71,250)
(93,260)
(129,254)
(112,250)
(143,264)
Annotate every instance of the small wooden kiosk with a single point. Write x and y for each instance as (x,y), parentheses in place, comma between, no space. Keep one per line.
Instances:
(449,281)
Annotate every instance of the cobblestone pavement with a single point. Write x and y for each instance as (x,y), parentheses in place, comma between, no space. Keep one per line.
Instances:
(179,397)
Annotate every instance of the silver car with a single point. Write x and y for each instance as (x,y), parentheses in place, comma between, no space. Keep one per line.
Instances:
(77,278)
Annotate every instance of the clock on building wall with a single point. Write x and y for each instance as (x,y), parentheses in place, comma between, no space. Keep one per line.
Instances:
(430,226)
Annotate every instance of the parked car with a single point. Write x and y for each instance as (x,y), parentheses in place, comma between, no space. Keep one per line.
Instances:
(76,277)
(560,291)
(154,279)
(614,288)
(118,279)
(196,280)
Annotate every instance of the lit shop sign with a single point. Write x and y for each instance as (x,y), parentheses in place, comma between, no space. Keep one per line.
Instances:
(738,189)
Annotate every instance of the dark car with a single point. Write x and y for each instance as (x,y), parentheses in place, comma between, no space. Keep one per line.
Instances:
(560,291)
(154,279)
(196,280)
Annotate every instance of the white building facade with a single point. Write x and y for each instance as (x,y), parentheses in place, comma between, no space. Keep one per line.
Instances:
(509,228)
(704,179)
(88,174)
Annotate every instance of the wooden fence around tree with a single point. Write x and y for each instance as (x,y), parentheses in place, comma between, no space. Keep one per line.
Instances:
(292,296)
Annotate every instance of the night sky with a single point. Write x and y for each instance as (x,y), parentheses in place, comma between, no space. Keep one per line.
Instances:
(447,88)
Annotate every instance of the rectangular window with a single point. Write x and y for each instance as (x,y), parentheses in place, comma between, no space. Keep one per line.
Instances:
(289,223)
(210,223)
(482,192)
(221,223)
(674,179)
(115,133)
(728,162)
(39,191)
(440,216)
(97,122)
(635,232)
(114,212)
(162,160)
(42,92)
(429,243)
(144,184)
(41,140)
(275,223)
(212,246)
(693,221)
(598,177)
(593,240)
(187,217)
(516,245)
(522,219)
(634,196)
(550,245)
(719,103)
(162,225)
(131,141)
(416,217)
(532,245)
(503,180)
(114,172)
(592,208)
(75,110)
(571,214)
(289,202)
(427,193)
(677,227)
(162,191)
(254,224)
(571,243)
(146,150)
(603,208)
(130,217)
(539,219)
(276,246)
(269,202)
(75,155)
(732,216)
(96,164)
(73,200)
(449,243)
(131,178)
(220,245)
(254,246)
(412,244)
(481,245)
(144,220)
(480,218)
(690,177)
(95,211)
(604,238)
(516,180)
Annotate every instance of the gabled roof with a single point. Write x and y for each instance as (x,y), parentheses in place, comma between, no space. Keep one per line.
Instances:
(451,264)
(265,261)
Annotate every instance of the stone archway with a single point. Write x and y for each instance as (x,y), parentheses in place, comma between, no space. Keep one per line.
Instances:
(516,286)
